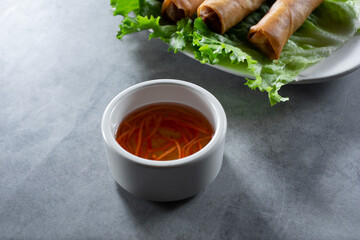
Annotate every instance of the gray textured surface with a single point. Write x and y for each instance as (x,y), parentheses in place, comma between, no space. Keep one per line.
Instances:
(290,172)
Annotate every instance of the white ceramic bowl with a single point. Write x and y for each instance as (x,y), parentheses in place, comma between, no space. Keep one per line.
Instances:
(164,180)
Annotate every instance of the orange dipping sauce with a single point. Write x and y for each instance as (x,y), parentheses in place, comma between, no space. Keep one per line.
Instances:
(164,131)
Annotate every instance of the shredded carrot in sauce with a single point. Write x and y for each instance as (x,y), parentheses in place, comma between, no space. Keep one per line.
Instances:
(164,131)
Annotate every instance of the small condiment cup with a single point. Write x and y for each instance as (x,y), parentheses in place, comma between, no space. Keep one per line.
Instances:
(164,180)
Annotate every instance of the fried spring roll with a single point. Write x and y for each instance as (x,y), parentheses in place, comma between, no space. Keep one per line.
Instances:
(221,15)
(284,17)
(178,9)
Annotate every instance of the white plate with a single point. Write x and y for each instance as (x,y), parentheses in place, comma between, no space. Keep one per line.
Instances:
(343,61)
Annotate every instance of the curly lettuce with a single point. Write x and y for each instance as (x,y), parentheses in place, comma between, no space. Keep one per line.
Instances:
(331,25)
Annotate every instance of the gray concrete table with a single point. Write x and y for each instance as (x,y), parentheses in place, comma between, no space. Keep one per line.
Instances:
(290,172)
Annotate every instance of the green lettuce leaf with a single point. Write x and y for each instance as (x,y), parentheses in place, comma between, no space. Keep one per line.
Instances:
(332,24)
(140,23)
(124,7)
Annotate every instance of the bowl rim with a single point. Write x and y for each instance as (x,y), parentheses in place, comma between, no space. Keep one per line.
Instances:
(216,109)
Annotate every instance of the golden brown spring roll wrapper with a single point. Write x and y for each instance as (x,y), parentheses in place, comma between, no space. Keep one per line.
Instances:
(221,15)
(178,9)
(284,17)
